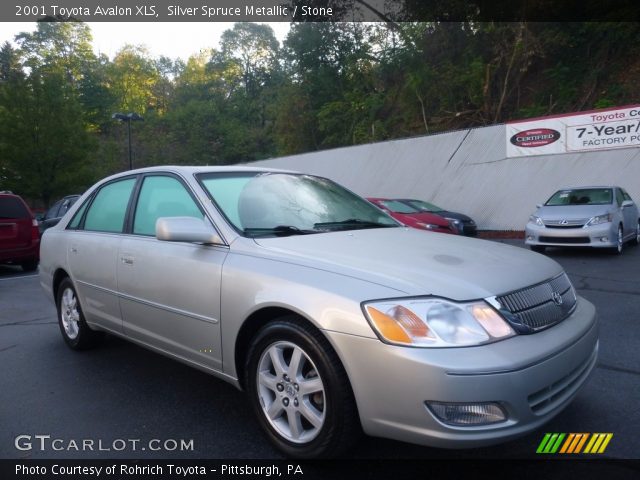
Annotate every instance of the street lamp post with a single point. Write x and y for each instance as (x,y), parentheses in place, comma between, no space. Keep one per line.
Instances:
(128,117)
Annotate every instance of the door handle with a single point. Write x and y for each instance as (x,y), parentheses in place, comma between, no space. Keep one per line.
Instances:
(127,259)
(73,249)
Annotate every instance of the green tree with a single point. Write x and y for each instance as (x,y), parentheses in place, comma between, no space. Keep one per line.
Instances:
(47,146)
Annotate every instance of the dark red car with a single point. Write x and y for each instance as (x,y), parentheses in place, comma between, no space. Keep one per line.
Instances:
(412,217)
(19,234)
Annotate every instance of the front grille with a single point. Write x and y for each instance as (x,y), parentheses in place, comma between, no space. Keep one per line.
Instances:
(534,308)
(550,397)
(567,223)
(544,239)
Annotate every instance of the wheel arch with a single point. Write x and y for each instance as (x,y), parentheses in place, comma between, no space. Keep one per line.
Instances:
(59,275)
(252,325)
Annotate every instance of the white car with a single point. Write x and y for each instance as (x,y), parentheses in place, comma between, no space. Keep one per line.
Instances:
(599,217)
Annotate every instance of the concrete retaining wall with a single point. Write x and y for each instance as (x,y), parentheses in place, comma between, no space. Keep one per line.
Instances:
(467,171)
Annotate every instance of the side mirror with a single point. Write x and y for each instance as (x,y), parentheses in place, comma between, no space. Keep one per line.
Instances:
(627,203)
(186,229)
(538,205)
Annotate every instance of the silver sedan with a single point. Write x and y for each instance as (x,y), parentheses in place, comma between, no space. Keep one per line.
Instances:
(333,318)
(600,217)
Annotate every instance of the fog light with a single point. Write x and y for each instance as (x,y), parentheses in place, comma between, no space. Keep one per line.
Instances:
(530,237)
(604,239)
(467,414)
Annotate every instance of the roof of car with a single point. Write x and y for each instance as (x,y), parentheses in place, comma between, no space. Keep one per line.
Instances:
(192,170)
(588,187)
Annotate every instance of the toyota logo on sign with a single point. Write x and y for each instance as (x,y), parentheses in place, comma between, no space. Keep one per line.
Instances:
(535,137)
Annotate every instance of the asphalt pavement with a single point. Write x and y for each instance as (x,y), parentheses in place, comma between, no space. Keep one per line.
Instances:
(120,393)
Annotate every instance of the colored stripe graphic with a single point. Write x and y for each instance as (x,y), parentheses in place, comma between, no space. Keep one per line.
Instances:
(550,443)
(598,443)
(574,443)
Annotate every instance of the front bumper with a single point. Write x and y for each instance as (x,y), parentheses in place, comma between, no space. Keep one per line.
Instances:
(599,236)
(533,377)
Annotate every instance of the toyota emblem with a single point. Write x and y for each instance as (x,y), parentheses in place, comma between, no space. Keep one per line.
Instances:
(557,298)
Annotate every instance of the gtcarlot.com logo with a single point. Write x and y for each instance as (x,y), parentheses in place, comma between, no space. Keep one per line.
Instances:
(574,443)
(45,443)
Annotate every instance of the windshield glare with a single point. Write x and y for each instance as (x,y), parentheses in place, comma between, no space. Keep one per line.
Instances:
(424,206)
(398,207)
(582,196)
(256,203)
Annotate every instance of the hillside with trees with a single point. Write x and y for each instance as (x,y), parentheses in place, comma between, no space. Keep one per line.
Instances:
(328,85)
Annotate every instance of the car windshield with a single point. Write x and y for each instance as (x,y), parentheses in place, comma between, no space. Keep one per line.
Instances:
(11,207)
(397,206)
(280,204)
(581,196)
(424,206)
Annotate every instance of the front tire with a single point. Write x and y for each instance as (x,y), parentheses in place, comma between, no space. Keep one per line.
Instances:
(617,250)
(300,391)
(75,331)
(636,241)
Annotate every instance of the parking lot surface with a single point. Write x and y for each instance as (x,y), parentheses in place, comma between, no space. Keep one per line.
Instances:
(120,393)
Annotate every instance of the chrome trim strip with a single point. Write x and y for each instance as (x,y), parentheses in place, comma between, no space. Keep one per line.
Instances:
(177,311)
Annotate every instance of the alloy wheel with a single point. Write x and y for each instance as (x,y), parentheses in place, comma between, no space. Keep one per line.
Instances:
(620,241)
(69,313)
(292,393)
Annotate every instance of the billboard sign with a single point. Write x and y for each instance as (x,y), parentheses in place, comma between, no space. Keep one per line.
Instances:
(586,131)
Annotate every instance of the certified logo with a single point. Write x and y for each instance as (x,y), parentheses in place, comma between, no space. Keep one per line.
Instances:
(535,137)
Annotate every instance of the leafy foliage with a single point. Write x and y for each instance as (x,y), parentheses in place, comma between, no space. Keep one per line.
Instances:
(328,85)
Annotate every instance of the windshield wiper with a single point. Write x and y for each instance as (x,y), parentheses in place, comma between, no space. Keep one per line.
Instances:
(280,231)
(352,222)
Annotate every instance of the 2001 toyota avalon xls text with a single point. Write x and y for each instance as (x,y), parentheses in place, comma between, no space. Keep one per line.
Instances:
(332,316)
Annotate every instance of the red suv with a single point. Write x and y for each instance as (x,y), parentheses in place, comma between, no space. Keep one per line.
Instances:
(412,217)
(19,234)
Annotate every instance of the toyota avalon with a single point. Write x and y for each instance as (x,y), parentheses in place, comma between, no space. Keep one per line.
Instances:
(333,317)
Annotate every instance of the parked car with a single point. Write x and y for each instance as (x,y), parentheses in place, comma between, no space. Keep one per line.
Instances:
(412,217)
(599,217)
(464,224)
(57,211)
(329,314)
(19,235)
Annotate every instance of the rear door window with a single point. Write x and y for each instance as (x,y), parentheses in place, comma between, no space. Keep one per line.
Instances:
(53,211)
(108,209)
(12,207)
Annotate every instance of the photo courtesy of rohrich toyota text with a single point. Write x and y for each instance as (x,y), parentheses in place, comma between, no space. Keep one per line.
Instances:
(319,239)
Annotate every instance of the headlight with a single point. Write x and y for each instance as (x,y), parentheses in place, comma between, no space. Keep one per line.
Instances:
(428,226)
(436,322)
(598,219)
(536,220)
(455,223)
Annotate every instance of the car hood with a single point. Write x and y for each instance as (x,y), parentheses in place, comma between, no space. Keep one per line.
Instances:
(415,262)
(572,211)
(458,216)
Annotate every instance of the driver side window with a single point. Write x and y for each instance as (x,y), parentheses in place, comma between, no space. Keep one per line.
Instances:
(162,196)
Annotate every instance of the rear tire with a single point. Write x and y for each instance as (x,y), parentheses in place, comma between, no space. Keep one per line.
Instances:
(75,331)
(300,391)
(29,266)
